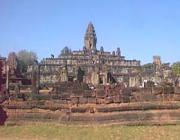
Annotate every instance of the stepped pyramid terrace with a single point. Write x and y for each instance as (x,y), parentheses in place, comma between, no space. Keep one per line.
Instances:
(89,86)
(89,65)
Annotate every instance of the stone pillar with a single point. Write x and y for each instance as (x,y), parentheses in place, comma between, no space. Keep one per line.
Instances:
(80,74)
(95,78)
(0,75)
(33,80)
(7,80)
(38,78)
(64,74)
(105,78)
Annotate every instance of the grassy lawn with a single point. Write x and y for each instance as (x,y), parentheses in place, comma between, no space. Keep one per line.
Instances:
(51,131)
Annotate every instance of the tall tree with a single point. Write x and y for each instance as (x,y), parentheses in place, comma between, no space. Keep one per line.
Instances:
(65,51)
(25,58)
(147,68)
(176,68)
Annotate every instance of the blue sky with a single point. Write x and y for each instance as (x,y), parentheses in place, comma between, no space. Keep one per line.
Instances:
(141,28)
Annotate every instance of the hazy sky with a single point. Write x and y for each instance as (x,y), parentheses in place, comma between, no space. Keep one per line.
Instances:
(141,28)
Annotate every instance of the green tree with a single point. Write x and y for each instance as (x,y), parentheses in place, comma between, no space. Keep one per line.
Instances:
(65,51)
(148,68)
(25,58)
(176,68)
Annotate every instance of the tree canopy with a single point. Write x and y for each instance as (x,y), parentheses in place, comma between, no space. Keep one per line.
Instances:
(176,68)
(148,68)
(65,51)
(25,58)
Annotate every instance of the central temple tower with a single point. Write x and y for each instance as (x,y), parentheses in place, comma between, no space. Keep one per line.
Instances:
(90,39)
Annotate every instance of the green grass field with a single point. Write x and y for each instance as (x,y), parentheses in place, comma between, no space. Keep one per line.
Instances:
(52,131)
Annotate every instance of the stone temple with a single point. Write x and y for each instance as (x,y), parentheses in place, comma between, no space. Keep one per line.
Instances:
(90,65)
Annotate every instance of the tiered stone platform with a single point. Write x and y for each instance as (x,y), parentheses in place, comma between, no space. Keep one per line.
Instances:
(125,113)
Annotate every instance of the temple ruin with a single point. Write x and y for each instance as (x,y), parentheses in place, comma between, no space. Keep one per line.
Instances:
(98,66)
(90,86)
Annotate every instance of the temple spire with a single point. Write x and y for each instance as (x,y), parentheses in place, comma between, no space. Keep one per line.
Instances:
(90,38)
